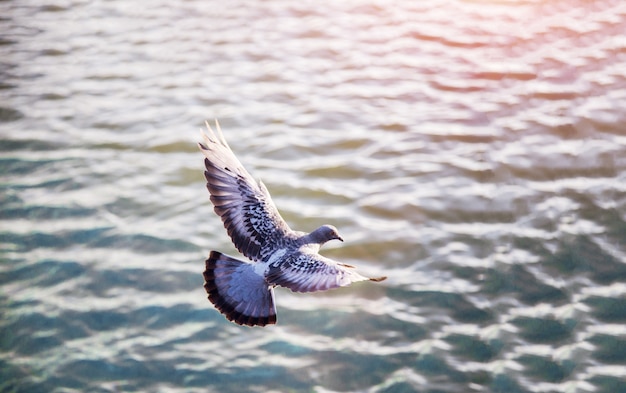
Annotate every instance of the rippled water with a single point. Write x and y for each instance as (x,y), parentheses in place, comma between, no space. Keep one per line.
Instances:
(473,151)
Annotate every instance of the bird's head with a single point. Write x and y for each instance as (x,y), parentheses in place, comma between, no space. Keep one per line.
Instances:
(325,233)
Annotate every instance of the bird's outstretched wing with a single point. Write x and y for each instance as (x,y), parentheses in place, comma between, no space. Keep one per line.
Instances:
(245,206)
(308,272)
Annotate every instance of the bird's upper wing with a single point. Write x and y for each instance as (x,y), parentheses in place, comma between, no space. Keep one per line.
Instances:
(309,272)
(245,206)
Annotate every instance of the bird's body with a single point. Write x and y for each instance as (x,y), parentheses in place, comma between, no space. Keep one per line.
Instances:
(241,290)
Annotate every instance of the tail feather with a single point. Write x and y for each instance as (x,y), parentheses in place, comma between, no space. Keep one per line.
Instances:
(238,292)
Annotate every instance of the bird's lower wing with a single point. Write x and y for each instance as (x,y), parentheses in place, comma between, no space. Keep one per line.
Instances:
(307,272)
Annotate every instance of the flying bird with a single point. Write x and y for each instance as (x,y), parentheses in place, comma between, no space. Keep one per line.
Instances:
(244,290)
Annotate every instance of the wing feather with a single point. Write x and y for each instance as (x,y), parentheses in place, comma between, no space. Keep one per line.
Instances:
(244,205)
(308,272)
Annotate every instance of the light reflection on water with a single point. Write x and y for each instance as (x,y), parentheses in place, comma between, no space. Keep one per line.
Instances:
(473,151)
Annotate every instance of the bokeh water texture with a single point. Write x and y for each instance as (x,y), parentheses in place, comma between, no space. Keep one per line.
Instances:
(473,151)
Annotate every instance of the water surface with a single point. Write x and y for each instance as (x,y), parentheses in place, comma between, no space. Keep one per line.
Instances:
(472,151)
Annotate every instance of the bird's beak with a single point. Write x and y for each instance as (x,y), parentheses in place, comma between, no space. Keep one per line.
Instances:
(339,238)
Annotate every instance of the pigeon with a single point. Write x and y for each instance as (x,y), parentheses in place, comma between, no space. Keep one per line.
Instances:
(243,291)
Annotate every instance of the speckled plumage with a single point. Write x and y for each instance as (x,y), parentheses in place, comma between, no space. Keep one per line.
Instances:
(242,290)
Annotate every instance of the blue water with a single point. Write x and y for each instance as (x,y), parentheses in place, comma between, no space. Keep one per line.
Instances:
(472,151)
